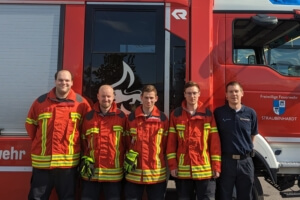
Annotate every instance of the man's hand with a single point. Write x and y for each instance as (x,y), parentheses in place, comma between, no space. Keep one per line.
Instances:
(87,167)
(216,174)
(174,172)
(130,161)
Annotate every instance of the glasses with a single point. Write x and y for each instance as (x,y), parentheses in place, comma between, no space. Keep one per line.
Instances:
(191,93)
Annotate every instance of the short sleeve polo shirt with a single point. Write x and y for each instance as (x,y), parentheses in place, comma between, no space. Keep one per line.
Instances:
(236,128)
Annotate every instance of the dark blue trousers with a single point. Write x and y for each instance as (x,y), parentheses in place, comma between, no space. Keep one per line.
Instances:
(154,191)
(238,173)
(188,188)
(44,180)
(92,190)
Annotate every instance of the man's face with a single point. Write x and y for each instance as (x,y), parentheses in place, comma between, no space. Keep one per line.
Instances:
(148,100)
(192,95)
(105,97)
(234,94)
(63,83)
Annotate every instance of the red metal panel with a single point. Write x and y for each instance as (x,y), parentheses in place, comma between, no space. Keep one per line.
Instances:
(219,56)
(74,43)
(201,46)
(14,163)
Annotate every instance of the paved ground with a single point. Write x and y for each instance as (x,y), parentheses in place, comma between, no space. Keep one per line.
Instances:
(270,193)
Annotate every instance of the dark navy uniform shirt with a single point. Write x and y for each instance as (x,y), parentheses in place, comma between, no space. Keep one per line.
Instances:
(236,128)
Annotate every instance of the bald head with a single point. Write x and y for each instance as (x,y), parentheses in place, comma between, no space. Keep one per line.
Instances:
(104,88)
(105,97)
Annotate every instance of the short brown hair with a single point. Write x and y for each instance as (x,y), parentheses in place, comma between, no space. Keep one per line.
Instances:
(191,84)
(149,88)
(233,83)
(55,75)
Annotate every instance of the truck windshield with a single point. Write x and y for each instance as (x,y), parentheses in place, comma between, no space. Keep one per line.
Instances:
(277,47)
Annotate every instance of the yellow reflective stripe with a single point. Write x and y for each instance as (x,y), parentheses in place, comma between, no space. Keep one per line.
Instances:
(201,175)
(158,149)
(154,172)
(44,136)
(160,131)
(207,126)
(201,168)
(149,175)
(69,163)
(105,177)
(65,157)
(184,174)
(181,159)
(59,160)
(215,157)
(214,129)
(137,172)
(184,167)
(71,139)
(64,163)
(181,134)
(154,178)
(92,130)
(46,115)
(133,131)
(171,156)
(172,130)
(118,130)
(31,121)
(54,157)
(40,158)
(205,138)
(180,127)
(75,116)
(132,177)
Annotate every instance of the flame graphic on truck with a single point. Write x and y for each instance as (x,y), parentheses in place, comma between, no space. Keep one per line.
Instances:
(123,96)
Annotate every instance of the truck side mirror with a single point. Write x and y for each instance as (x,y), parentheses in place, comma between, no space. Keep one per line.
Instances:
(264,20)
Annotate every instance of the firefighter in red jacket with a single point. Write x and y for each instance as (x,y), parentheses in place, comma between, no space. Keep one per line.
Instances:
(53,125)
(144,163)
(103,132)
(193,150)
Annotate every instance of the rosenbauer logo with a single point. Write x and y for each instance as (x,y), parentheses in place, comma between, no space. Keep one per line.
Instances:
(179,14)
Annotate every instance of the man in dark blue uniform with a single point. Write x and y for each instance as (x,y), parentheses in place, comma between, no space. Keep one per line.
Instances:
(237,126)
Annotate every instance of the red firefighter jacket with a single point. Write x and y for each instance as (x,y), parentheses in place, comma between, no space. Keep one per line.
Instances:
(103,140)
(193,143)
(148,137)
(53,126)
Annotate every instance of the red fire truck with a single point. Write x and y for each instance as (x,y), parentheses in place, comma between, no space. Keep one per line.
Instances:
(129,43)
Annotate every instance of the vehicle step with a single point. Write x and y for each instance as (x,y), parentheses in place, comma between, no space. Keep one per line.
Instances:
(290,194)
(289,164)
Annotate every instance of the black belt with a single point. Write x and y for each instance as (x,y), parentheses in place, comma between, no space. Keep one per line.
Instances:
(236,156)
